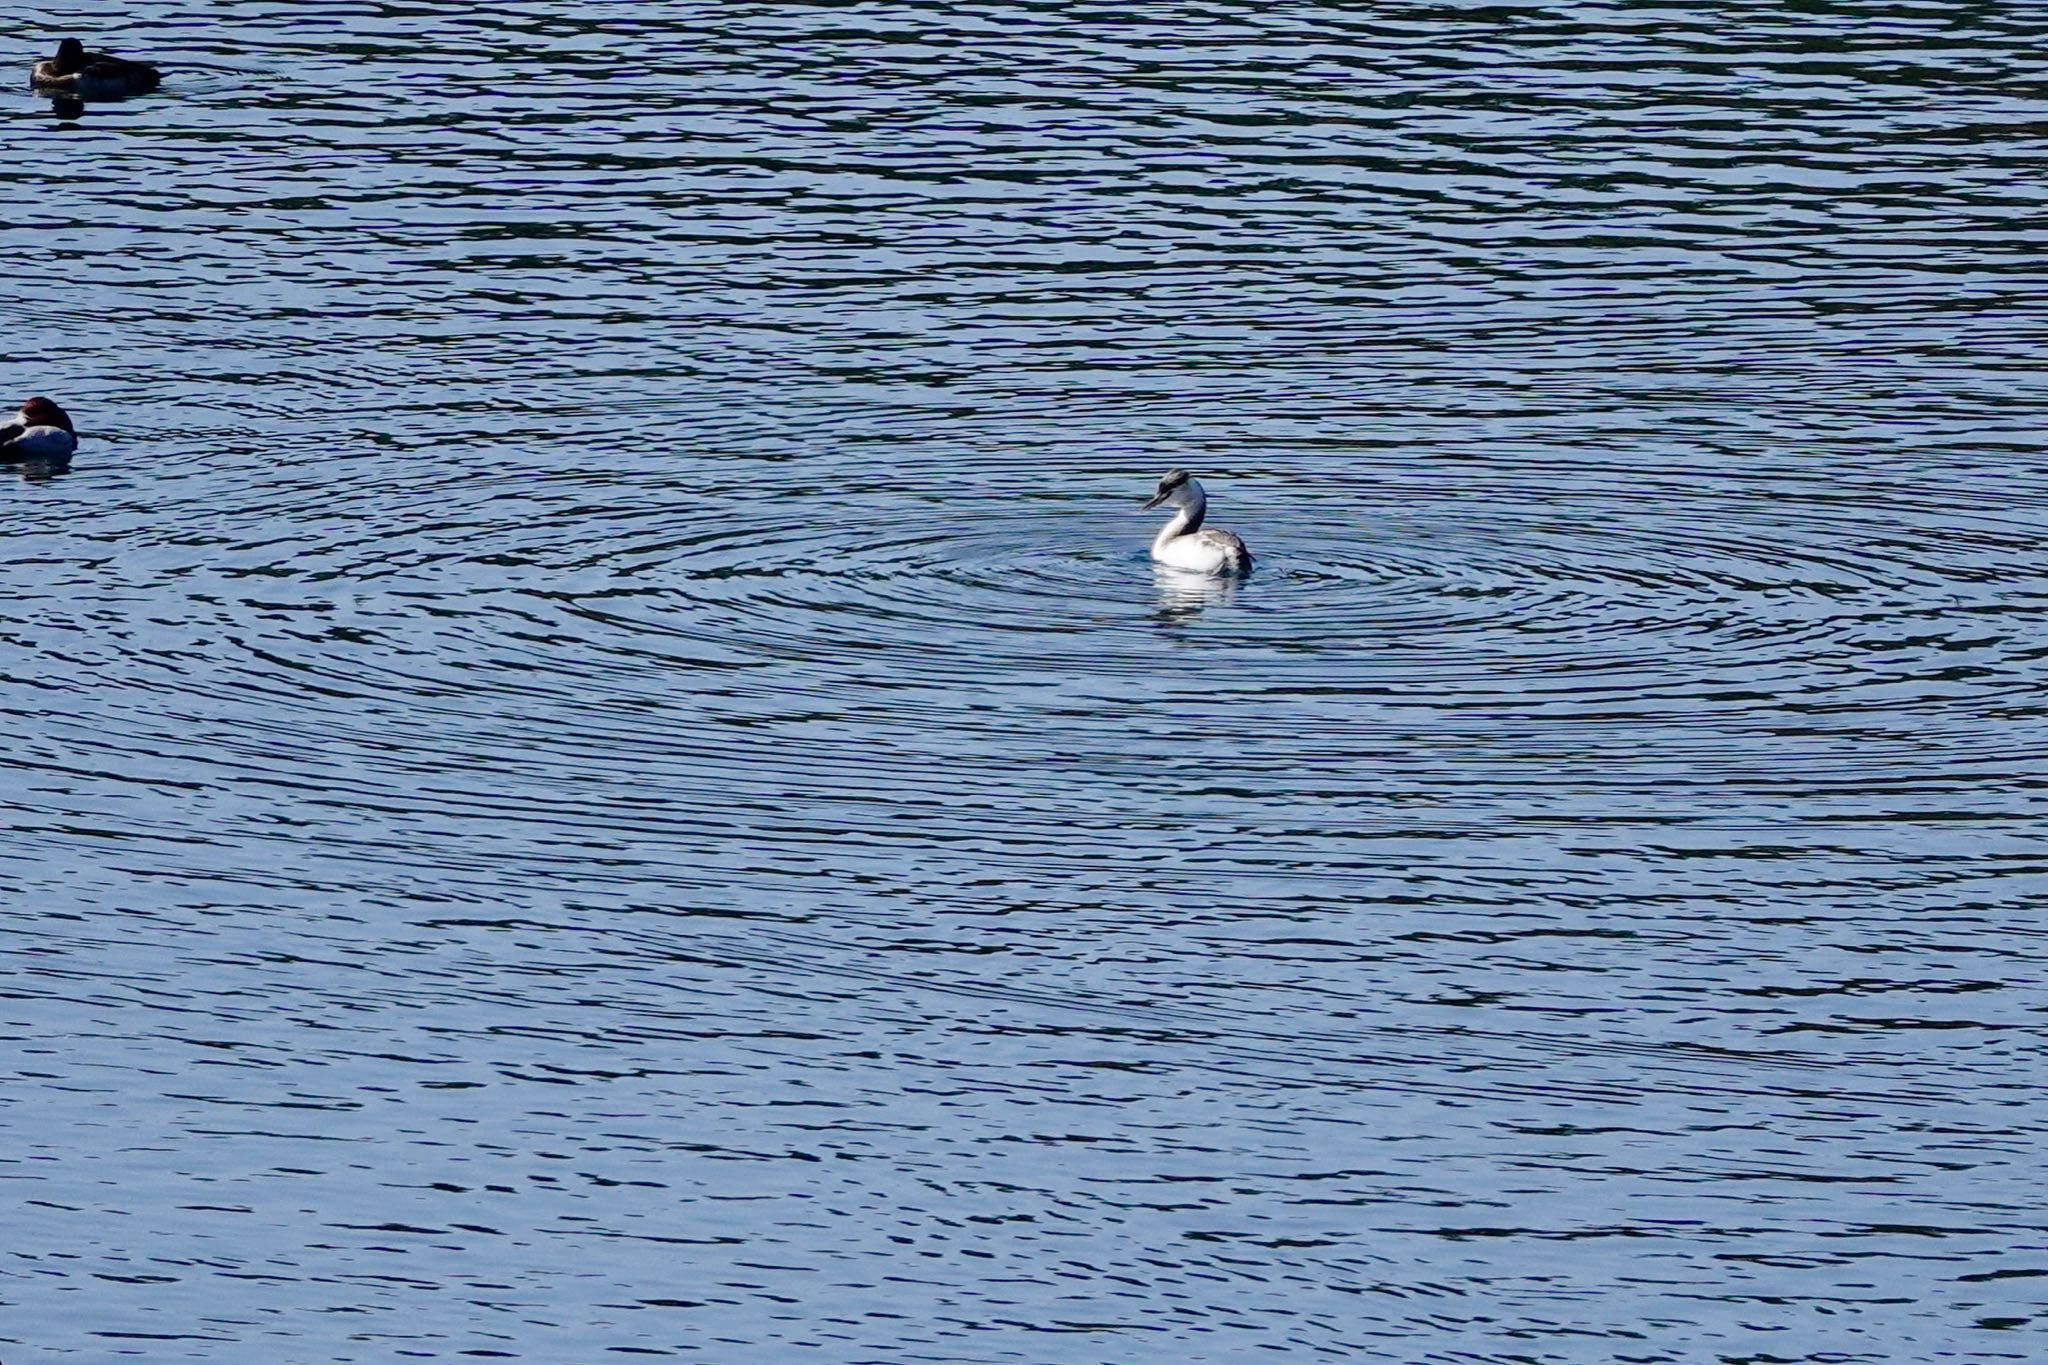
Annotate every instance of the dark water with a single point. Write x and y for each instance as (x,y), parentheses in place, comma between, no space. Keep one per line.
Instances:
(596,768)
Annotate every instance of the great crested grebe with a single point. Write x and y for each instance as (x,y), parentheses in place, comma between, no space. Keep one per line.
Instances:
(40,431)
(92,75)
(1182,543)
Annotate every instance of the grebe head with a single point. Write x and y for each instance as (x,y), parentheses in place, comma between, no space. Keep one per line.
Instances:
(1177,489)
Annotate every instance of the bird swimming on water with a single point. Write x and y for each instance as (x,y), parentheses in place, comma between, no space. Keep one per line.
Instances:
(1182,543)
(40,431)
(92,75)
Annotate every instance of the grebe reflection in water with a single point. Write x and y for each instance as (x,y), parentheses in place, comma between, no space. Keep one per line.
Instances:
(1184,595)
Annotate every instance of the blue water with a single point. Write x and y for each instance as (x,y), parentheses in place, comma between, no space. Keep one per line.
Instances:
(595,767)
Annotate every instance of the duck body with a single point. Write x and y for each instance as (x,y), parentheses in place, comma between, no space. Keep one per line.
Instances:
(1183,543)
(40,431)
(93,75)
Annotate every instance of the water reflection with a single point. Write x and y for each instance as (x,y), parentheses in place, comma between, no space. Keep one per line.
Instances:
(1183,596)
(38,470)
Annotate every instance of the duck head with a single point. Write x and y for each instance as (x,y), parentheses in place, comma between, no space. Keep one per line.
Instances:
(40,411)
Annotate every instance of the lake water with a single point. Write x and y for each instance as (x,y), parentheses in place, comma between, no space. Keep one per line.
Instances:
(596,768)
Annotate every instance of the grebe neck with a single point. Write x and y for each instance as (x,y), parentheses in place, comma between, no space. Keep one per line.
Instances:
(1191,506)
(1186,520)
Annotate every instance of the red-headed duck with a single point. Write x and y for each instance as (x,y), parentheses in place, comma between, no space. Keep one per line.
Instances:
(40,431)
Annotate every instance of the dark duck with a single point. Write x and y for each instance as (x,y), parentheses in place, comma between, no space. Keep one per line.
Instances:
(92,75)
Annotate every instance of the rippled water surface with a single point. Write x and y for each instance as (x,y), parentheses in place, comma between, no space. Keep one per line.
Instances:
(595,766)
